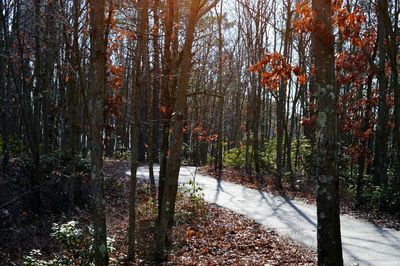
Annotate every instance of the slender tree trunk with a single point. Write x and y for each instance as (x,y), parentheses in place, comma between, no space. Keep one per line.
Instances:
(4,131)
(221,91)
(174,157)
(165,98)
(364,143)
(135,127)
(156,80)
(280,107)
(174,160)
(73,99)
(141,80)
(256,129)
(249,120)
(25,91)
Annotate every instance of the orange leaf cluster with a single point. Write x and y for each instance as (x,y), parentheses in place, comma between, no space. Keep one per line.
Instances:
(302,79)
(309,121)
(297,71)
(350,24)
(202,135)
(274,70)
(352,113)
(115,76)
(112,105)
(352,68)
(355,151)
(165,111)
(304,17)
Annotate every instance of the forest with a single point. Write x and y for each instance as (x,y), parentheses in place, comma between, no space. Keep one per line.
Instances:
(199,132)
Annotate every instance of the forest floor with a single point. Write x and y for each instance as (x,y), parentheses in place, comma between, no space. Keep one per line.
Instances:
(216,236)
(306,195)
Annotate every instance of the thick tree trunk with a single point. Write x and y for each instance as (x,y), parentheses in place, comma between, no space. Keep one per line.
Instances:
(329,239)
(392,50)
(98,61)
(382,131)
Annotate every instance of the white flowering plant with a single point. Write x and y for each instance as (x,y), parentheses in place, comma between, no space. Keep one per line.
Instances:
(76,243)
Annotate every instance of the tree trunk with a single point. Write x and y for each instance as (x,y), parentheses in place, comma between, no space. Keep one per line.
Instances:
(280,106)
(98,60)
(166,97)
(392,48)
(141,80)
(329,239)
(174,157)
(221,91)
(156,81)
(382,132)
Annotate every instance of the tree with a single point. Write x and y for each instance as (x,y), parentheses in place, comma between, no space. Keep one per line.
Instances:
(219,151)
(97,94)
(382,131)
(197,9)
(140,79)
(329,239)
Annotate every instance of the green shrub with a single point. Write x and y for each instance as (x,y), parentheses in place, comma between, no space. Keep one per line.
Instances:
(34,259)
(62,161)
(148,207)
(234,158)
(190,202)
(306,161)
(76,246)
(386,197)
(124,155)
(268,156)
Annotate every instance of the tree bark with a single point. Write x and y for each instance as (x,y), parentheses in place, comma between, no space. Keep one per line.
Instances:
(221,91)
(98,61)
(329,239)
(170,18)
(382,132)
(174,157)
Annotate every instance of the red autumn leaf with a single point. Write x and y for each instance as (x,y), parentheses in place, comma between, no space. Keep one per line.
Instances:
(297,70)
(190,233)
(367,133)
(204,251)
(302,79)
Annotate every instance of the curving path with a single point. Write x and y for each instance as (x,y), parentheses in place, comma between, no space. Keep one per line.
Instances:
(363,243)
